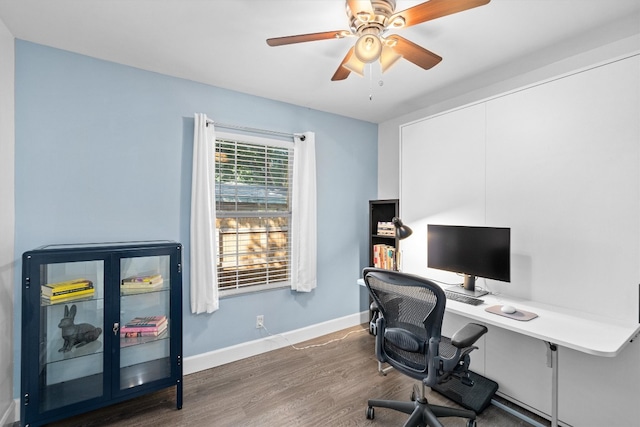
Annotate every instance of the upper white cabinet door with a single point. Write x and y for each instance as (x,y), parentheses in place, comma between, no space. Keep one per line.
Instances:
(442,179)
(563,172)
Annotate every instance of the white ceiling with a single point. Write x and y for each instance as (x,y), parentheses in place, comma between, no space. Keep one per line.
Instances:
(222,43)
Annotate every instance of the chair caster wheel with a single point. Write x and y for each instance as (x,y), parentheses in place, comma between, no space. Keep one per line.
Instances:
(370,413)
(472,423)
(415,393)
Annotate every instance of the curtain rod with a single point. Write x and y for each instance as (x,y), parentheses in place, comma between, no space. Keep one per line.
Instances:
(254,130)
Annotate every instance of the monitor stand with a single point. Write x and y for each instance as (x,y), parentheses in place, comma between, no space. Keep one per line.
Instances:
(468,287)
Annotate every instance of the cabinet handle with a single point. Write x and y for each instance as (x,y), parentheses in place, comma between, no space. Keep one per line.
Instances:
(116,326)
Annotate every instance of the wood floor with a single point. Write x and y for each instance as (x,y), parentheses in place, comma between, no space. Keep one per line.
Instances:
(320,386)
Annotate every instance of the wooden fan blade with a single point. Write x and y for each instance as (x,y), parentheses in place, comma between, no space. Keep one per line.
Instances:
(414,53)
(343,72)
(435,9)
(361,9)
(301,38)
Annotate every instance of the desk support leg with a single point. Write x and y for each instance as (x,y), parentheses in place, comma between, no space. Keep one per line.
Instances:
(552,362)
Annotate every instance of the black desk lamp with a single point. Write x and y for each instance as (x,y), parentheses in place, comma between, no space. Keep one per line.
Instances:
(402,231)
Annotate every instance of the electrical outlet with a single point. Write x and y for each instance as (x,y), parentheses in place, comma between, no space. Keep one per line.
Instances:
(259,321)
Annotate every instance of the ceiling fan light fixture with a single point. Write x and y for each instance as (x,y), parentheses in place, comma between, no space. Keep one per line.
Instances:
(388,57)
(354,65)
(368,48)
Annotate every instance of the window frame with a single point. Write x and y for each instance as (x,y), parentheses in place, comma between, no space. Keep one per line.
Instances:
(271,142)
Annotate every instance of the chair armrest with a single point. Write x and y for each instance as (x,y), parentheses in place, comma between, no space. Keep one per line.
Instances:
(380,329)
(467,335)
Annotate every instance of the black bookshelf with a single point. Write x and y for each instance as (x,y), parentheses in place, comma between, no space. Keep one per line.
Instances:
(381,211)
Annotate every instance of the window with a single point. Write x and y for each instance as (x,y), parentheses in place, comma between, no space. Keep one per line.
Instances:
(253,212)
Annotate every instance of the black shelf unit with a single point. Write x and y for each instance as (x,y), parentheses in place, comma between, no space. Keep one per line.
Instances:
(381,211)
(61,380)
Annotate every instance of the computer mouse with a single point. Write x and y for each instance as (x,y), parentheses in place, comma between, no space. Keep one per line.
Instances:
(508,309)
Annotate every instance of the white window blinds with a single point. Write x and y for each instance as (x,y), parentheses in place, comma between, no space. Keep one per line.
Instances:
(253,212)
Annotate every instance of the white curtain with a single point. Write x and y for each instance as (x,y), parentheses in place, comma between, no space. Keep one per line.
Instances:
(204,278)
(303,216)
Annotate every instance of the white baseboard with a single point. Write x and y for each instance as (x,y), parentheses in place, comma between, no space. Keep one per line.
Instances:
(225,355)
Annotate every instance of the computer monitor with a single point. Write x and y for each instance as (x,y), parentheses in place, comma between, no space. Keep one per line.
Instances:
(471,251)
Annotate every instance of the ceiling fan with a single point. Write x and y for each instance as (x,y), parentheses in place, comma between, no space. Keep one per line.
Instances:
(370,21)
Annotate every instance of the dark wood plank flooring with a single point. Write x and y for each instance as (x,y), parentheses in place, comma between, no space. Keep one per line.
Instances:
(320,386)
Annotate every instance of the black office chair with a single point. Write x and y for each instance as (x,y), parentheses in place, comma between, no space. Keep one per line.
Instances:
(408,337)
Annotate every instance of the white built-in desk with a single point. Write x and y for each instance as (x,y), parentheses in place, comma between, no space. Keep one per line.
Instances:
(556,326)
(579,331)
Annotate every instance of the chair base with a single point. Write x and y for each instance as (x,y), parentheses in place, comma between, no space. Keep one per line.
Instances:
(421,413)
(475,397)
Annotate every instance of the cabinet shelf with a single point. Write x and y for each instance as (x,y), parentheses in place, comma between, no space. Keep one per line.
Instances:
(73,357)
(133,292)
(54,355)
(64,394)
(143,373)
(132,341)
(46,303)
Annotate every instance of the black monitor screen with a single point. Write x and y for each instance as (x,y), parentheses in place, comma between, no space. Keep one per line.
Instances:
(475,251)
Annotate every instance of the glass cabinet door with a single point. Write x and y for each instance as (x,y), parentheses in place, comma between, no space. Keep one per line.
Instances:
(145,319)
(71,333)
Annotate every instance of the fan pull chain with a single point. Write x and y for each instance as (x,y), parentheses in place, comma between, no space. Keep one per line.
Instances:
(370,82)
(380,82)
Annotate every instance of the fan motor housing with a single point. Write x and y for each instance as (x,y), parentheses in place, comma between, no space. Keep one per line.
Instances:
(382,10)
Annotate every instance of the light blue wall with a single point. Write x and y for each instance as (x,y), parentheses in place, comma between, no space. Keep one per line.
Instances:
(103,153)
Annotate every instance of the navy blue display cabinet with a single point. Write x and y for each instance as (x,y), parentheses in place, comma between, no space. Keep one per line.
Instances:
(101,323)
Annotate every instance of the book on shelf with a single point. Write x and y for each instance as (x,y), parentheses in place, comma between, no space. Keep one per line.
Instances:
(147,321)
(57,292)
(384,256)
(66,286)
(386,228)
(141,334)
(145,279)
(66,293)
(148,330)
(135,286)
(69,296)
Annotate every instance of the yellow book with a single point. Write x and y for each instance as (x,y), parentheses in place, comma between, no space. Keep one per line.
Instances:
(142,285)
(52,292)
(70,296)
(146,278)
(68,284)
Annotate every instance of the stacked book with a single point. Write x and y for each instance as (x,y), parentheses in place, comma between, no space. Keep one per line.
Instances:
(141,283)
(68,290)
(150,326)
(384,256)
(386,229)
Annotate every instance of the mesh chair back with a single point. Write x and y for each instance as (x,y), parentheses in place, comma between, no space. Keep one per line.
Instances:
(412,309)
